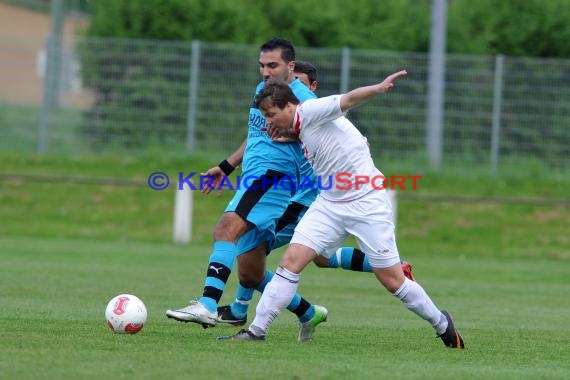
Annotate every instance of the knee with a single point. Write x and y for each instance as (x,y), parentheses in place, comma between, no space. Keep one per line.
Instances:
(391,278)
(392,286)
(229,228)
(221,234)
(296,258)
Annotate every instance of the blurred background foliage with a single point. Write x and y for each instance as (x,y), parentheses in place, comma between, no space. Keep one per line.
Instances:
(537,28)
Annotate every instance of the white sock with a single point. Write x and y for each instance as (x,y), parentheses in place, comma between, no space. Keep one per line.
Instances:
(277,295)
(416,299)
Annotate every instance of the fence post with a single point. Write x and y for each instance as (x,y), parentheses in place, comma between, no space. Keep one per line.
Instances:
(193,95)
(51,76)
(345,70)
(183,210)
(436,82)
(496,128)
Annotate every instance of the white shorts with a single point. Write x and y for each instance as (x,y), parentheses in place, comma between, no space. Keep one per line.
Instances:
(369,219)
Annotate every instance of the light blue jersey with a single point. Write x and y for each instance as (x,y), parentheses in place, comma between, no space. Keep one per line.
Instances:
(261,152)
(264,157)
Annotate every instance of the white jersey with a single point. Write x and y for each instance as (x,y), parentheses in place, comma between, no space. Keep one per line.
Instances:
(337,151)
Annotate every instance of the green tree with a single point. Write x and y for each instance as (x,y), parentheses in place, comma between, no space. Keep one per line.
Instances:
(389,25)
(537,28)
(511,27)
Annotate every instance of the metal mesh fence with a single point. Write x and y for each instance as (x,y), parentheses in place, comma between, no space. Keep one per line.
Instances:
(132,96)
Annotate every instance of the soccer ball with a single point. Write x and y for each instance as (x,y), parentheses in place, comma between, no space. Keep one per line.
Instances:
(126,313)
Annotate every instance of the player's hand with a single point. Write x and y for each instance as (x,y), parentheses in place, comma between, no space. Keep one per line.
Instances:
(217,174)
(388,83)
(284,139)
(280,134)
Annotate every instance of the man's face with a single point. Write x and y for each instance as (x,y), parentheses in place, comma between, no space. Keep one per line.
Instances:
(305,80)
(271,65)
(280,118)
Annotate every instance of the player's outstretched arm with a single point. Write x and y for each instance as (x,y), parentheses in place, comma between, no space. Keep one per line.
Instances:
(361,95)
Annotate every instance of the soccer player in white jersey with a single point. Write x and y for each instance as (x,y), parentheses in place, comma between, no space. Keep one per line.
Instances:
(360,208)
(348,258)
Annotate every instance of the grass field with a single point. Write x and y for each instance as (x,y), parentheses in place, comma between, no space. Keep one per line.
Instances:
(513,314)
(502,269)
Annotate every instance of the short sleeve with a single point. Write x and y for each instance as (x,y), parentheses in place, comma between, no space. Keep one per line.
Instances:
(315,112)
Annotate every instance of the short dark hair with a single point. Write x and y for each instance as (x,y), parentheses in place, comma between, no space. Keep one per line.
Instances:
(276,91)
(307,68)
(287,48)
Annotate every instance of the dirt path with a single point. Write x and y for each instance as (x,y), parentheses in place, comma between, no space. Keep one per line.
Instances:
(22,37)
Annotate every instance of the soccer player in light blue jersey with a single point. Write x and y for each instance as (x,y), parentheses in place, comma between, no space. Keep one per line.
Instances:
(247,227)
